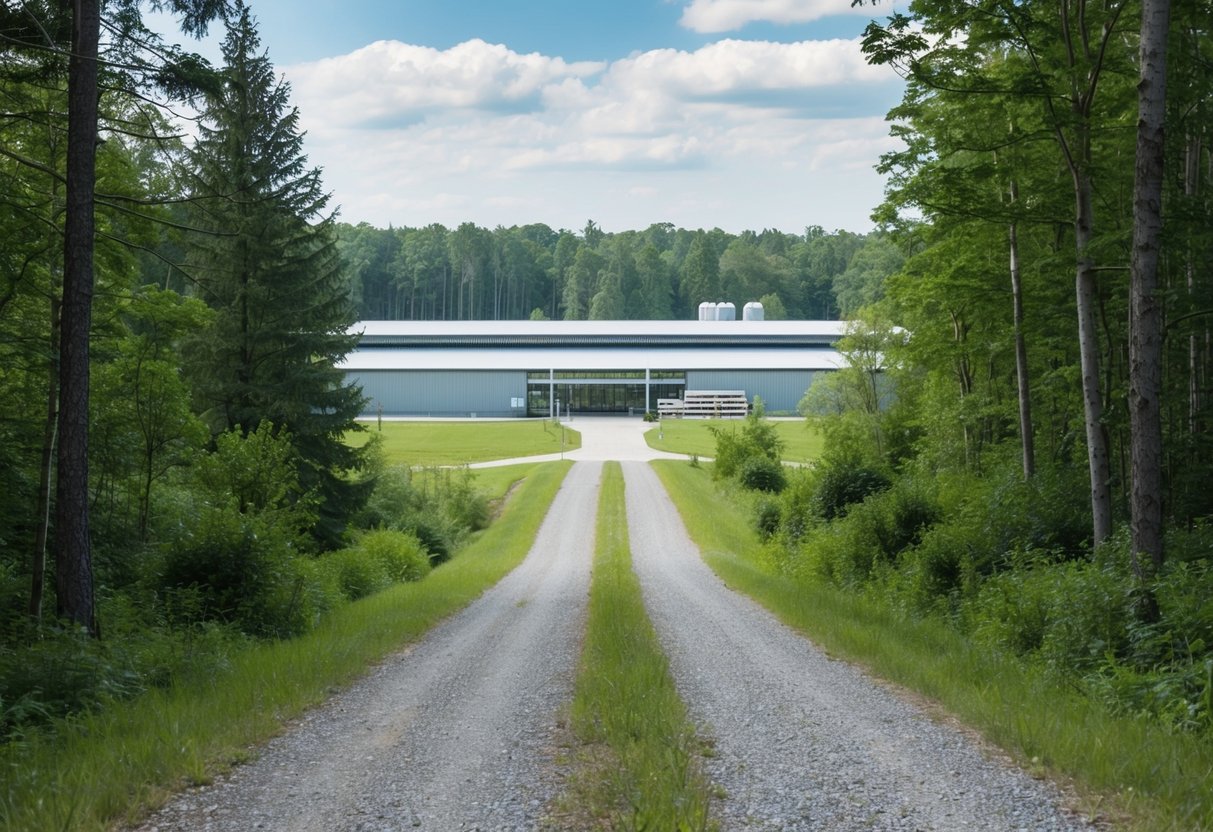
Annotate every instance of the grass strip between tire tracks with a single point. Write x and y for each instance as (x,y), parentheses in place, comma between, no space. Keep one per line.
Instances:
(109,767)
(636,766)
(1129,770)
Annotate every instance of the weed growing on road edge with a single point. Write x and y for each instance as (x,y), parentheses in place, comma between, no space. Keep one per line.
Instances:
(636,766)
(102,768)
(1127,765)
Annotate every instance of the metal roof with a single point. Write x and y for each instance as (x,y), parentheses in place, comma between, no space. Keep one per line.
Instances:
(522,334)
(620,358)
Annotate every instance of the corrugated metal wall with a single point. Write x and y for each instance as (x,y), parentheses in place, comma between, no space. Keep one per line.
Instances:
(781,390)
(446,393)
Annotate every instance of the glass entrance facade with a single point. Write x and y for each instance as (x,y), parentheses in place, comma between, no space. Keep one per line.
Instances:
(595,391)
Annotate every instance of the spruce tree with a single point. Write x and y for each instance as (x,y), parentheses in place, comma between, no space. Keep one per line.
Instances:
(269,266)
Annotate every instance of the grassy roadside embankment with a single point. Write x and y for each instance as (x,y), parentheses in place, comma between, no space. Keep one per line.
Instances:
(111,766)
(1125,768)
(636,766)
(418,444)
(692,436)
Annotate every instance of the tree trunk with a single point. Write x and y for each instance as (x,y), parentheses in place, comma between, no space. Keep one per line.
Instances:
(73,548)
(50,430)
(1021,350)
(1087,292)
(1145,314)
(1191,188)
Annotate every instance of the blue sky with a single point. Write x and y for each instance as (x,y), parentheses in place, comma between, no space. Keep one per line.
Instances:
(730,113)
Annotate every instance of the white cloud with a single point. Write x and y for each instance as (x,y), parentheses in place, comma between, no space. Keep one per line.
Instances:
(730,15)
(399,81)
(412,135)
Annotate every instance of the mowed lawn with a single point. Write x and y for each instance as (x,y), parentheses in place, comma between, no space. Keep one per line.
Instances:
(691,436)
(456,443)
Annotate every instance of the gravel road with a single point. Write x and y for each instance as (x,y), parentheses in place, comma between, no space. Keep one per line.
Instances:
(453,734)
(804,742)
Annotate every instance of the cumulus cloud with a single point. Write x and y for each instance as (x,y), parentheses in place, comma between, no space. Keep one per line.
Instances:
(391,82)
(709,16)
(403,130)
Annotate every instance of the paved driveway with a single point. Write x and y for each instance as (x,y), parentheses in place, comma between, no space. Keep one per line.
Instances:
(602,438)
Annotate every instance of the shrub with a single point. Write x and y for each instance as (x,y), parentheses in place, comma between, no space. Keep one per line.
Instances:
(401,556)
(234,565)
(934,572)
(797,513)
(767,518)
(356,573)
(842,485)
(435,537)
(1011,611)
(761,473)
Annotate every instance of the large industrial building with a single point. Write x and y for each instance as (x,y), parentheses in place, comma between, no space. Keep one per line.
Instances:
(524,368)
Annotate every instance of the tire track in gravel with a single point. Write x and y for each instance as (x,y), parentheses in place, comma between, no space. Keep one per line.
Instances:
(455,733)
(804,742)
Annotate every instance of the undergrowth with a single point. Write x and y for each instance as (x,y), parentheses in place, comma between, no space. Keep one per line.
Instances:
(1129,766)
(101,767)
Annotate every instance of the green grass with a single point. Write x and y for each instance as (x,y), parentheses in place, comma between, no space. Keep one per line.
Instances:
(636,767)
(459,443)
(495,483)
(1126,768)
(109,767)
(691,436)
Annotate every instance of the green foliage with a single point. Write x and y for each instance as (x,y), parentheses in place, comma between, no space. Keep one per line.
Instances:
(767,517)
(270,271)
(400,555)
(356,574)
(1118,733)
(761,473)
(843,483)
(98,769)
(757,438)
(236,535)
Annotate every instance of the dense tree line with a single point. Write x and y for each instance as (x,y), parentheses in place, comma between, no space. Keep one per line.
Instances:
(1021,440)
(662,272)
(173,421)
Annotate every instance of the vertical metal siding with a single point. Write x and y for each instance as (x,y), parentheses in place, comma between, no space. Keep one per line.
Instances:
(445,393)
(781,390)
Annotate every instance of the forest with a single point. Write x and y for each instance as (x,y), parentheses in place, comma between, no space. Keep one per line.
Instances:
(1020,444)
(178,472)
(660,273)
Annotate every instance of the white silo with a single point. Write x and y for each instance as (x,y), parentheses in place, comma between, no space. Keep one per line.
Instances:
(726,312)
(753,311)
(713,312)
(703,310)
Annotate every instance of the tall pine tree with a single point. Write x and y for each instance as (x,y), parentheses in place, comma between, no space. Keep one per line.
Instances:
(270,269)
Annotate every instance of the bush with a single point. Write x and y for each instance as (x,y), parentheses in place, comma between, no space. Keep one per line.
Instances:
(401,556)
(767,518)
(761,473)
(236,567)
(1011,611)
(797,513)
(435,537)
(757,438)
(356,573)
(934,573)
(841,485)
